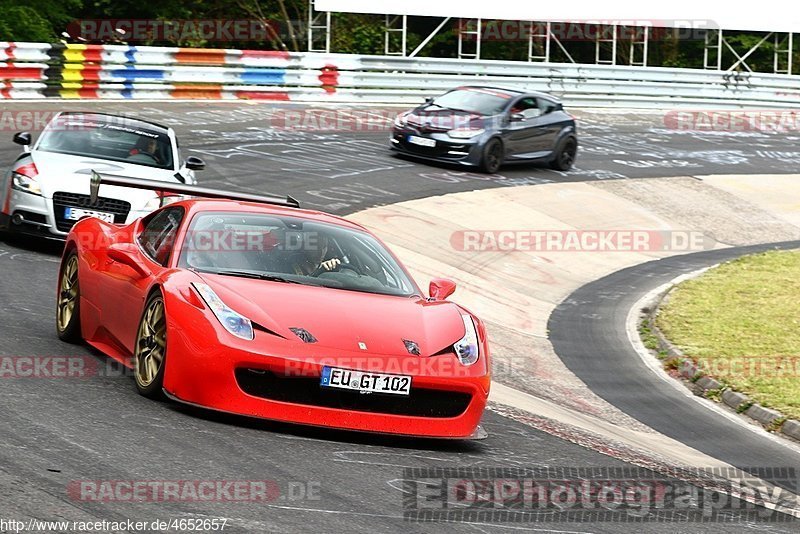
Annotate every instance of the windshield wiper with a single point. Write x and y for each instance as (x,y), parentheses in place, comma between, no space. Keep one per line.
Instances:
(257,276)
(459,109)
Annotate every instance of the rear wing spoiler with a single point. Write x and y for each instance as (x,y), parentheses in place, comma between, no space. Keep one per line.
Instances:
(181,189)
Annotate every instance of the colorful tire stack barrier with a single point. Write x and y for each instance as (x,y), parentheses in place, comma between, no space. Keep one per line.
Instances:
(41,70)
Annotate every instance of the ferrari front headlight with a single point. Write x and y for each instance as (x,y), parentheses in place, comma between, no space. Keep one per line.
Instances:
(235,323)
(26,184)
(467,347)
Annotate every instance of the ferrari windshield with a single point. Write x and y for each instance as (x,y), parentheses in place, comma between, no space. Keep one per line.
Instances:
(475,99)
(107,138)
(294,250)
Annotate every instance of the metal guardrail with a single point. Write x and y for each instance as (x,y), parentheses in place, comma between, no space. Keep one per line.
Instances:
(41,70)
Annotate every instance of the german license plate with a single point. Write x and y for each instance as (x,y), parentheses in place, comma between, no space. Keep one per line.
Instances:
(334,377)
(74,214)
(421,141)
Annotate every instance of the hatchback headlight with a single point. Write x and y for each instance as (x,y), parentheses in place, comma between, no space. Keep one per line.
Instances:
(235,323)
(401,120)
(467,347)
(465,133)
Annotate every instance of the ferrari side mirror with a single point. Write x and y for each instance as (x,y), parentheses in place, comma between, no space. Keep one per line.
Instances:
(441,288)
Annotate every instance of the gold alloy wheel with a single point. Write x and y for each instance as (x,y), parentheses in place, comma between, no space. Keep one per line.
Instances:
(68,293)
(151,343)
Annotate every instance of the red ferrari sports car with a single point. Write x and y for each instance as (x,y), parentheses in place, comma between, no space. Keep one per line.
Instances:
(253,306)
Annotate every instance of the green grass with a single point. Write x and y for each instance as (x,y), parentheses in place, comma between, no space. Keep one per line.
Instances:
(741,321)
(647,336)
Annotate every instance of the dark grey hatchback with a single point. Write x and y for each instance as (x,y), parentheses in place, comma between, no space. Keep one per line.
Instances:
(486,127)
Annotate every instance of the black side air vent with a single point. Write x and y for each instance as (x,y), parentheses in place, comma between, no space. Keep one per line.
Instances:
(411,347)
(304,334)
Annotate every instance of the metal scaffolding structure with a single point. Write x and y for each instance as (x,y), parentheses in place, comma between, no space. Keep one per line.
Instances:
(716,44)
(318,21)
(542,40)
(395,24)
(641,43)
(469,31)
(783,66)
(602,37)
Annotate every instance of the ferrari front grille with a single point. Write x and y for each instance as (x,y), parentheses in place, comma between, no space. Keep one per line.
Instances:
(63,200)
(422,402)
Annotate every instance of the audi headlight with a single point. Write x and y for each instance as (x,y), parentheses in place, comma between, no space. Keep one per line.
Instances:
(26,184)
(160,201)
(401,120)
(467,347)
(235,323)
(153,204)
(465,133)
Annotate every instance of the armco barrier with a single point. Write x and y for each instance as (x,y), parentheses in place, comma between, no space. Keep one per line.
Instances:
(40,70)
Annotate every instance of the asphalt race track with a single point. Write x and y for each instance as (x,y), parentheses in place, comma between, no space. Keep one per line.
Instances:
(58,431)
(342,166)
(600,354)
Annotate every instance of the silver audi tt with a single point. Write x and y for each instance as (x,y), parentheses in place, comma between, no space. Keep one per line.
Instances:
(46,190)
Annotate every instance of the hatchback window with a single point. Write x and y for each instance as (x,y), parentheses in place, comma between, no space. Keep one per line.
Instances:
(475,100)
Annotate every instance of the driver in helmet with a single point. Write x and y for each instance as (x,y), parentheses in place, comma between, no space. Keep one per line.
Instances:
(314,259)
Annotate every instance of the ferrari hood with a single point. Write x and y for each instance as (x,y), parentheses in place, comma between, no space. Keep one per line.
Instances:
(64,172)
(342,319)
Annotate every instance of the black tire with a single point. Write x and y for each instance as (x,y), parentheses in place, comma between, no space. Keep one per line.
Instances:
(68,301)
(492,157)
(5,221)
(565,155)
(151,344)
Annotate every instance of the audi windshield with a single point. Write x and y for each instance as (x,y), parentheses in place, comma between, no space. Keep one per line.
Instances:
(98,137)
